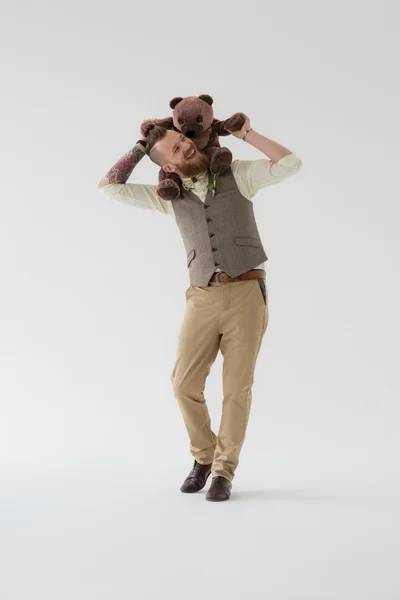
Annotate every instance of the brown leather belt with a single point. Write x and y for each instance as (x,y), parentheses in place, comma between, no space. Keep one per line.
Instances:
(222,277)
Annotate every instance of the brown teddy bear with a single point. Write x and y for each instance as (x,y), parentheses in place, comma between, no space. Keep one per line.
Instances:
(194,117)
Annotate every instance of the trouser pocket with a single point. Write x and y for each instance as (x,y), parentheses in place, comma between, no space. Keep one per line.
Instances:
(261,283)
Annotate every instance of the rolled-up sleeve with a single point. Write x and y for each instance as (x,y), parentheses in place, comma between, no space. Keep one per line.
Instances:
(137,195)
(253,175)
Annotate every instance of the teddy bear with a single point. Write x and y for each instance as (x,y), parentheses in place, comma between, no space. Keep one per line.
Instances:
(194,117)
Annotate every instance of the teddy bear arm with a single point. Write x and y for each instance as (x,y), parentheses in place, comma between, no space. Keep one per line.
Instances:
(168,122)
(149,124)
(219,127)
(234,123)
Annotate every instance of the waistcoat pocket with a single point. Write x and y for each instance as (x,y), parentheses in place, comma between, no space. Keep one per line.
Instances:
(247,241)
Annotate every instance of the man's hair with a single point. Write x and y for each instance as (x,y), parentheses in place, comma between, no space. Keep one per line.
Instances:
(155,135)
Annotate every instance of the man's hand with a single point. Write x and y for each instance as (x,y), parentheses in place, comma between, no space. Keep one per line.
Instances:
(241,132)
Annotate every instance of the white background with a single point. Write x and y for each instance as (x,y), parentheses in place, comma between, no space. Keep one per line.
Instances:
(93,448)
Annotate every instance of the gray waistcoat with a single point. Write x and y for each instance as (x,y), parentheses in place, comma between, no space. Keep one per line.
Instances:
(222,231)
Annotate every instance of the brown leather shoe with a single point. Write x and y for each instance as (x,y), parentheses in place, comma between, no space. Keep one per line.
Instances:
(219,490)
(197,478)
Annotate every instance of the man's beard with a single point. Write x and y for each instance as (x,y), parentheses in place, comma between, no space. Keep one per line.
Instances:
(198,165)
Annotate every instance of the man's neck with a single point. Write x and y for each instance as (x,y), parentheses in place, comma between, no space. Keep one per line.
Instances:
(196,177)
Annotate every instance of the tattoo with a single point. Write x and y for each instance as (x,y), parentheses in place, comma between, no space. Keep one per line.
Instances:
(121,171)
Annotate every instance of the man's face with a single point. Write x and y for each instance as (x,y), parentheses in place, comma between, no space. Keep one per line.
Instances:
(181,155)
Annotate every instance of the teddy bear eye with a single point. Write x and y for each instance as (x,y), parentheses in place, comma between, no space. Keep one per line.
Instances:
(180,120)
(199,119)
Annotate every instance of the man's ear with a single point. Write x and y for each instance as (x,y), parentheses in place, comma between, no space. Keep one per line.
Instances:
(168,169)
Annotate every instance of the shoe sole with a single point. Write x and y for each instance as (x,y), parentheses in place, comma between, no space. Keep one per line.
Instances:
(217,499)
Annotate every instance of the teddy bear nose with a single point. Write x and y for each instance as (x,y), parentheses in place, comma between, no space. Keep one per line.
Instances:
(190,134)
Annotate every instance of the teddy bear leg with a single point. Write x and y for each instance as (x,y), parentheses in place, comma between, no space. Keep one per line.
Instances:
(220,160)
(169,185)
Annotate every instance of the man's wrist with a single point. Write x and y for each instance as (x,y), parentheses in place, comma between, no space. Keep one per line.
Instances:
(141,144)
(247,133)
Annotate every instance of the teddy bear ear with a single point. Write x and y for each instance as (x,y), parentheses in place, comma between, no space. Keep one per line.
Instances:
(206,98)
(175,101)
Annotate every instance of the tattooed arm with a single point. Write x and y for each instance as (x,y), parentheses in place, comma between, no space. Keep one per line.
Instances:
(122,169)
(114,185)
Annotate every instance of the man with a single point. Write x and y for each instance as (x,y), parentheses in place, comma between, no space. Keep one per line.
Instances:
(227,301)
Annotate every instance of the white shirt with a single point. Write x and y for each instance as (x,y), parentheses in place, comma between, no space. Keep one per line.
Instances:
(250,176)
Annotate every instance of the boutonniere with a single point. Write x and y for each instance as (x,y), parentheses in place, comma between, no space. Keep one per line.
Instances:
(213,184)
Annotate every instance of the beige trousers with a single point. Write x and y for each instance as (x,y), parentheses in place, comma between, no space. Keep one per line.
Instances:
(231,317)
